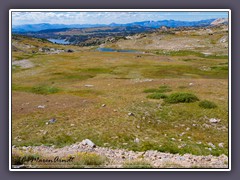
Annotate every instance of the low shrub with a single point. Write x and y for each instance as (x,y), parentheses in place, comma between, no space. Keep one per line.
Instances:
(181,98)
(207,104)
(157,96)
(89,159)
(44,90)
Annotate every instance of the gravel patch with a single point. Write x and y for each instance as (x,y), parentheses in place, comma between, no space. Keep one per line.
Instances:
(118,157)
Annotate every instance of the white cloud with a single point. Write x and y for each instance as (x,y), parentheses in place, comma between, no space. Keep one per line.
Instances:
(106,17)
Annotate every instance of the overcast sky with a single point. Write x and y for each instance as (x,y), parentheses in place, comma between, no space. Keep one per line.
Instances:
(19,18)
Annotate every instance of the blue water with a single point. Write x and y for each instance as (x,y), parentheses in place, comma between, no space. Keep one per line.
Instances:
(59,41)
(115,50)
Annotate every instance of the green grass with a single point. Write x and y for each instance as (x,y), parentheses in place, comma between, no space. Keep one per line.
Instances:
(162,89)
(207,104)
(183,71)
(113,76)
(45,90)
(39,89)
(19,158)
(87,159)
(181,98)
(220,68)
(172,165)
(189,53)
(137,164)
(157,96)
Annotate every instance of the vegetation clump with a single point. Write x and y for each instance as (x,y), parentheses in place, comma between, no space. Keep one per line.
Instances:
(162,89)
(19,158)
(44,90)
(157,96)
(181,98)
(207,104)
(137,164)
(89,159)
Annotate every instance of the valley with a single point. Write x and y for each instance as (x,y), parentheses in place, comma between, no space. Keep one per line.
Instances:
(139,89)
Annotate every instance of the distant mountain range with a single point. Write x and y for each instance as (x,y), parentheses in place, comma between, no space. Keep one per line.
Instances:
(148,24)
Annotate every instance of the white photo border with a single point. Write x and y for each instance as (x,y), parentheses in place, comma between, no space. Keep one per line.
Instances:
(121,10)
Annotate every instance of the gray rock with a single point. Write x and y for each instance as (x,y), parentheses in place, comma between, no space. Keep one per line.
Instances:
(41,106)
(130,114)
(88,143)
(51,121)
(182,134)
(88,85)
(211,145)
(221,145)
(214,120)
(136,140)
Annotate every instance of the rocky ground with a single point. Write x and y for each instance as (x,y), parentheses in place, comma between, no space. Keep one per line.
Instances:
(117,157)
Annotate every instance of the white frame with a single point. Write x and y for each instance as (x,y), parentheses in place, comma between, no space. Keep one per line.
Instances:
(119,10)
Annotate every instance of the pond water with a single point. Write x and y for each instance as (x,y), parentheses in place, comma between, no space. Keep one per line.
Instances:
(116,50)
(59,41)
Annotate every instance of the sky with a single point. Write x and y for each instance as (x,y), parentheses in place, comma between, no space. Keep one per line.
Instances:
(20,18)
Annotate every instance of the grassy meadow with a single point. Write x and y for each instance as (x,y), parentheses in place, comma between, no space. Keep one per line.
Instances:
(73,87)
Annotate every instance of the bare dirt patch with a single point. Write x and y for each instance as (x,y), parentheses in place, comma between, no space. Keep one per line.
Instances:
(23,63)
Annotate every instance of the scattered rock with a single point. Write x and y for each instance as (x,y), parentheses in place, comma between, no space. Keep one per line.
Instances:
(182,134)
(103,105)
(88,143)
(136,140)
(221,145)
(212,145)
(130,114)
(190,84)
(41,106)
(223,39)
(206,125)
(88,85)
(214,120)
(72,125)
(187,129)
(118,157)
(173,139)
(51,121)
(199,142)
